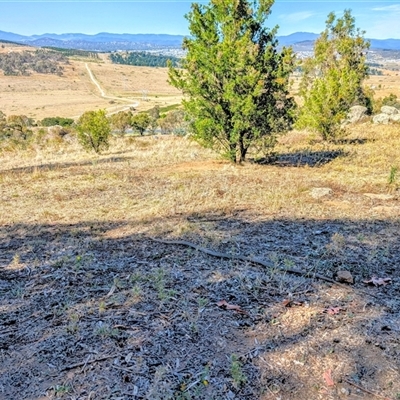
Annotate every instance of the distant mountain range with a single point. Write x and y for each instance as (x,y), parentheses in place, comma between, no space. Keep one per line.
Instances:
(301,41)
(100,42)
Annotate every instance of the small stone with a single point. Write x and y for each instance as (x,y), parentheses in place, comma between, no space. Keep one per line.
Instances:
(345,277)
(345,391)
(317,193)
(356,113)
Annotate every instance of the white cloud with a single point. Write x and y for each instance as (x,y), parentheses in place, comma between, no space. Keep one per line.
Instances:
(392,8)
(297,16)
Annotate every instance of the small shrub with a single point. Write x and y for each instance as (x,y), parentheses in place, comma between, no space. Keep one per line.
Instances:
(94,130)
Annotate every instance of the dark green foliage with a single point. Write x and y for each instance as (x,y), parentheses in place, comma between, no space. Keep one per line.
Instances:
(234,79)
(144,59)
(51,121)
(94,129)
(333,78)
(26,62)
(140,122)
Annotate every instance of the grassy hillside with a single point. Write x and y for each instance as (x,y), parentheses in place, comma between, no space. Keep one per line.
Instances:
(39,95)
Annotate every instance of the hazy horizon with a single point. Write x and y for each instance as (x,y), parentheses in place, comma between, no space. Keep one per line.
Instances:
(378,18)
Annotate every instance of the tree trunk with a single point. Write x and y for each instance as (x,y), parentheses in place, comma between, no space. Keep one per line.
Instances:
(241,151)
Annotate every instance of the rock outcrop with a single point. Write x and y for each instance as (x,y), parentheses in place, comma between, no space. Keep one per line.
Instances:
(381,119)
(356,114)
(387,114)
(389,110)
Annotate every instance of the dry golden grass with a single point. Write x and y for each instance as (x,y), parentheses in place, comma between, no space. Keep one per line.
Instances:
(7,47)
(385,85)
(145,179)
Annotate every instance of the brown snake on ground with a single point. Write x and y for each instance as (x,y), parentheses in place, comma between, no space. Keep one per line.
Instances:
(254,260)
(258,261)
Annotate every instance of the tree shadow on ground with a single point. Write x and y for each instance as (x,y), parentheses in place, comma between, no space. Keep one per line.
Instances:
(302,158)
(92,309)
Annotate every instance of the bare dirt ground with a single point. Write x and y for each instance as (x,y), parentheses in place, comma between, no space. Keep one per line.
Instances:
(44,95)
(91,307)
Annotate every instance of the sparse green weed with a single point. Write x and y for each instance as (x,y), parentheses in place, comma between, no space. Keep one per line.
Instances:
(135,278)
(60,262)
(102,307)
(61,390)
(136,292)
(107,331)
(159,281)
(236,369)
(18,291)
(201,303)
(73,320)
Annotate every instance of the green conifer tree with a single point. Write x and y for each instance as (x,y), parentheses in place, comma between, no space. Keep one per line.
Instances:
(333,77)
(234,79)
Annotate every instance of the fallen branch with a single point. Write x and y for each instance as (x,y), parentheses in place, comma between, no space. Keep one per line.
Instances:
(254,260)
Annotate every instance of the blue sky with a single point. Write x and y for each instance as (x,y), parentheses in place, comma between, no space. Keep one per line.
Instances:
(380,19)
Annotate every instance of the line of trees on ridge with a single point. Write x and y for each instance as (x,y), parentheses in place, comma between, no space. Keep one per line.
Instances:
(143,59)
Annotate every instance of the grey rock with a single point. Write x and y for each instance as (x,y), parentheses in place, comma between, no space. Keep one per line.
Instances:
(395,117)
(356,113)
(381,119)
(389,110)
(345,277)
